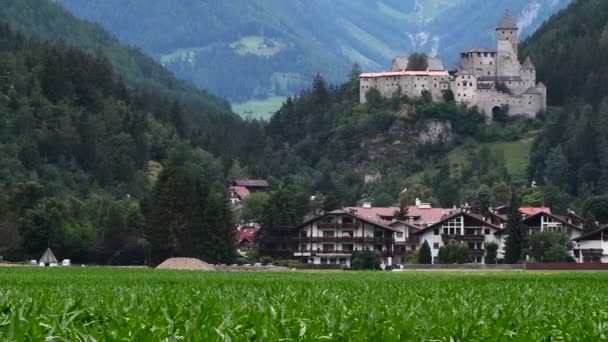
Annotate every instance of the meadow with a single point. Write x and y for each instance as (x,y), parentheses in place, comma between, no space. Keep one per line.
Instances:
(103,304)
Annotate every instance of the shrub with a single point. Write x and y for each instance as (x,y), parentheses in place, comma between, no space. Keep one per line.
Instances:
(454,253)
(265,260)
(365,260)
(491,252)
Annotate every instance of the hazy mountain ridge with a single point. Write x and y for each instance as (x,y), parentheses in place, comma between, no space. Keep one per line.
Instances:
(220,46)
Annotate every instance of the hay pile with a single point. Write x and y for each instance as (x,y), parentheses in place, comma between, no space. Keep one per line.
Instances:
(191,264)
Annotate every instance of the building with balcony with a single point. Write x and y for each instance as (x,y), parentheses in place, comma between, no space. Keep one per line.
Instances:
(463,226)
(545,221)
(332,238)
(592,246)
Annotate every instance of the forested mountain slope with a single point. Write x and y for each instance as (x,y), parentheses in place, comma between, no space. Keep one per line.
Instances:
(245,49)
(95,170)
(570,155)
(47,20)
(570,52)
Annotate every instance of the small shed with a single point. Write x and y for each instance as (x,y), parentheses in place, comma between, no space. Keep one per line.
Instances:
(48,259)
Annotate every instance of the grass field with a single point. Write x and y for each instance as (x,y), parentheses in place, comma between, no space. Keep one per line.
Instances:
(517,155)
(259,109)
(149,305)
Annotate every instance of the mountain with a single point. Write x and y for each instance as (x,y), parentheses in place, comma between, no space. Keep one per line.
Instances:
(246,49)
(48,20)
(570,51)
(571,152)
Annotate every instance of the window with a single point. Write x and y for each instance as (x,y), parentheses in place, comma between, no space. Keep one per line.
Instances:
(436,231)
(304,247)
(399,235)
(328,246)
(436,245)
(328,233)
(347,233)
(324,260)
(347,247)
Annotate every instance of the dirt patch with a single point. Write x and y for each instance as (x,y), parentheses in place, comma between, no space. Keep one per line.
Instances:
(191,264)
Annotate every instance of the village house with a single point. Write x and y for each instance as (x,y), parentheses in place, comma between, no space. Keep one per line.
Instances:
(592,246)
(331,238)
(463,226)
(242,188)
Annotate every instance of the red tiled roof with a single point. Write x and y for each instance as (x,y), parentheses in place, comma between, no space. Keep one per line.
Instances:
(241,191)
(404,73)
(423,216)
(251,183)
(246,235)
(529,211)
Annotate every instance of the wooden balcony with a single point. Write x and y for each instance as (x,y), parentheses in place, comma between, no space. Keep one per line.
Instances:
(466,237)
(337,225)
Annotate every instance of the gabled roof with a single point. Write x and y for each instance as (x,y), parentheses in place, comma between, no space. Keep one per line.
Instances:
(528,64)
(48,257)
(529,211)
(532,91)
(423,216)
(587,236)
(459,213)
(241,191)
(561,219)
(246,235)
(407,224)
(507,23)
(347,213)
(260,183)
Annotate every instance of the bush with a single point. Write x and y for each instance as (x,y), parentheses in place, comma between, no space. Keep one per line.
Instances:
(491,252)
(549,246)
(365,260)
(454,253)
(241,261)
(265,260)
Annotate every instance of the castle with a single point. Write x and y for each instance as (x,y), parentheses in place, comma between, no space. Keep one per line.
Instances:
(489,80)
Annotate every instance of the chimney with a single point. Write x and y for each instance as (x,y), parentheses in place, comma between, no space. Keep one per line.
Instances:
(417,202)
(367,205)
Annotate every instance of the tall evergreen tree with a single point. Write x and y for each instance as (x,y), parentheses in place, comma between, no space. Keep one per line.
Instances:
(425,256)
(516,239)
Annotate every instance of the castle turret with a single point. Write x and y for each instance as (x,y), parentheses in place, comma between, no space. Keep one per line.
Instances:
(507,34)
(507,30)
(528,72)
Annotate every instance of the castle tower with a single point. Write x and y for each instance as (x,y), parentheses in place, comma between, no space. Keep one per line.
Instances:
(528,72)
(507,30)
(507,35)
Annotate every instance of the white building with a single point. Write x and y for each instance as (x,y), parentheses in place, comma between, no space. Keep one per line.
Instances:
(333,238)
(592,247)
(462,226)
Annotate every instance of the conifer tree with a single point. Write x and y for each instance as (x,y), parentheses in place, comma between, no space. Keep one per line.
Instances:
(425,256)
(515,229)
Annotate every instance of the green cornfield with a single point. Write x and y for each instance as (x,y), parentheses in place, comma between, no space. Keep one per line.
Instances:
(105,304)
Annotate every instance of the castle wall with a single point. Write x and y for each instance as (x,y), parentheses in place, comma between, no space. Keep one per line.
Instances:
(478,63)
(464,88)
(526,104)
(409,85)
(506,60)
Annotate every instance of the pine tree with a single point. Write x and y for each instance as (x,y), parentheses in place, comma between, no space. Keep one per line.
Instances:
(515,229)
(424,255)
(482,201)
(218,244)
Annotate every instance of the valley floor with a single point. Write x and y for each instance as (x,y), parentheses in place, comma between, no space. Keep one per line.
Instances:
(111,304)
(259,109)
